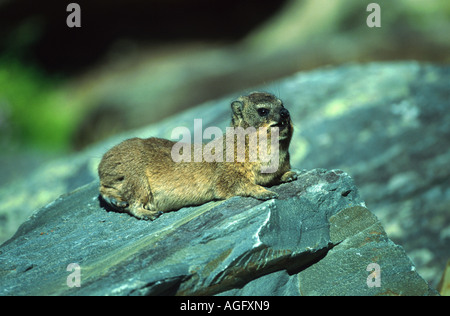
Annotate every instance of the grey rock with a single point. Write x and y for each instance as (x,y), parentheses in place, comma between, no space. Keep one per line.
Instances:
(317,238)
(386,124)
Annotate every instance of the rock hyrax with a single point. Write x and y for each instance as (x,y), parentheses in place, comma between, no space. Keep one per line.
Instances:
(141,177)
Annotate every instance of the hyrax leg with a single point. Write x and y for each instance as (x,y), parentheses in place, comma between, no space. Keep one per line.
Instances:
(141,201)
(138,209)
(289,176)
(239,185)
(140,212)
(129,193)
(259,192)
(113,197)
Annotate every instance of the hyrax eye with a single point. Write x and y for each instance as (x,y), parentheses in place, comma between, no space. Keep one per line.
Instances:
(263,111)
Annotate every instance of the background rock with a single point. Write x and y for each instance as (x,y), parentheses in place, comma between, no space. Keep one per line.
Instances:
(316,239)
(386,124)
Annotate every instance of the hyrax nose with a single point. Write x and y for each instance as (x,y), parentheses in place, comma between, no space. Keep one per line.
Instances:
(284,113)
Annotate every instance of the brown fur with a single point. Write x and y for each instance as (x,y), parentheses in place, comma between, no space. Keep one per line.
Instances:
(139,175)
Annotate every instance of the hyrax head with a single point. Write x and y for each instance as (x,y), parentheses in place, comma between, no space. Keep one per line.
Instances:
(261,109)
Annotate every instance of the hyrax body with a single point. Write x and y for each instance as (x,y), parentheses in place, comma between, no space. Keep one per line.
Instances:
(141,177)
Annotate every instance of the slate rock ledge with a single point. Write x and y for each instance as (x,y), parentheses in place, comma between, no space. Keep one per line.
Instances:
(318,238)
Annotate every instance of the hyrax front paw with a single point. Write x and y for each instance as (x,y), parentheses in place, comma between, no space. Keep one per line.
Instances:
(289,176)
(268,195)
(264,194)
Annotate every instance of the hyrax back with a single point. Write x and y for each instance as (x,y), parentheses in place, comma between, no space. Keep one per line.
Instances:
(141,177)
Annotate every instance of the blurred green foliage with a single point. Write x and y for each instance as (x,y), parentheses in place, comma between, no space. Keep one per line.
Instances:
(40,112)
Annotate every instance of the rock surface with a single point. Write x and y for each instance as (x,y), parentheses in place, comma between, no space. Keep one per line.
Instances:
(385,124)
(316,239)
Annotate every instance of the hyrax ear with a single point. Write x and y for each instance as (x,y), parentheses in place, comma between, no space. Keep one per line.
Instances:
(237,106)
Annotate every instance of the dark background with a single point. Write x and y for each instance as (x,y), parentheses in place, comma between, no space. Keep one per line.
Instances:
(134,62)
